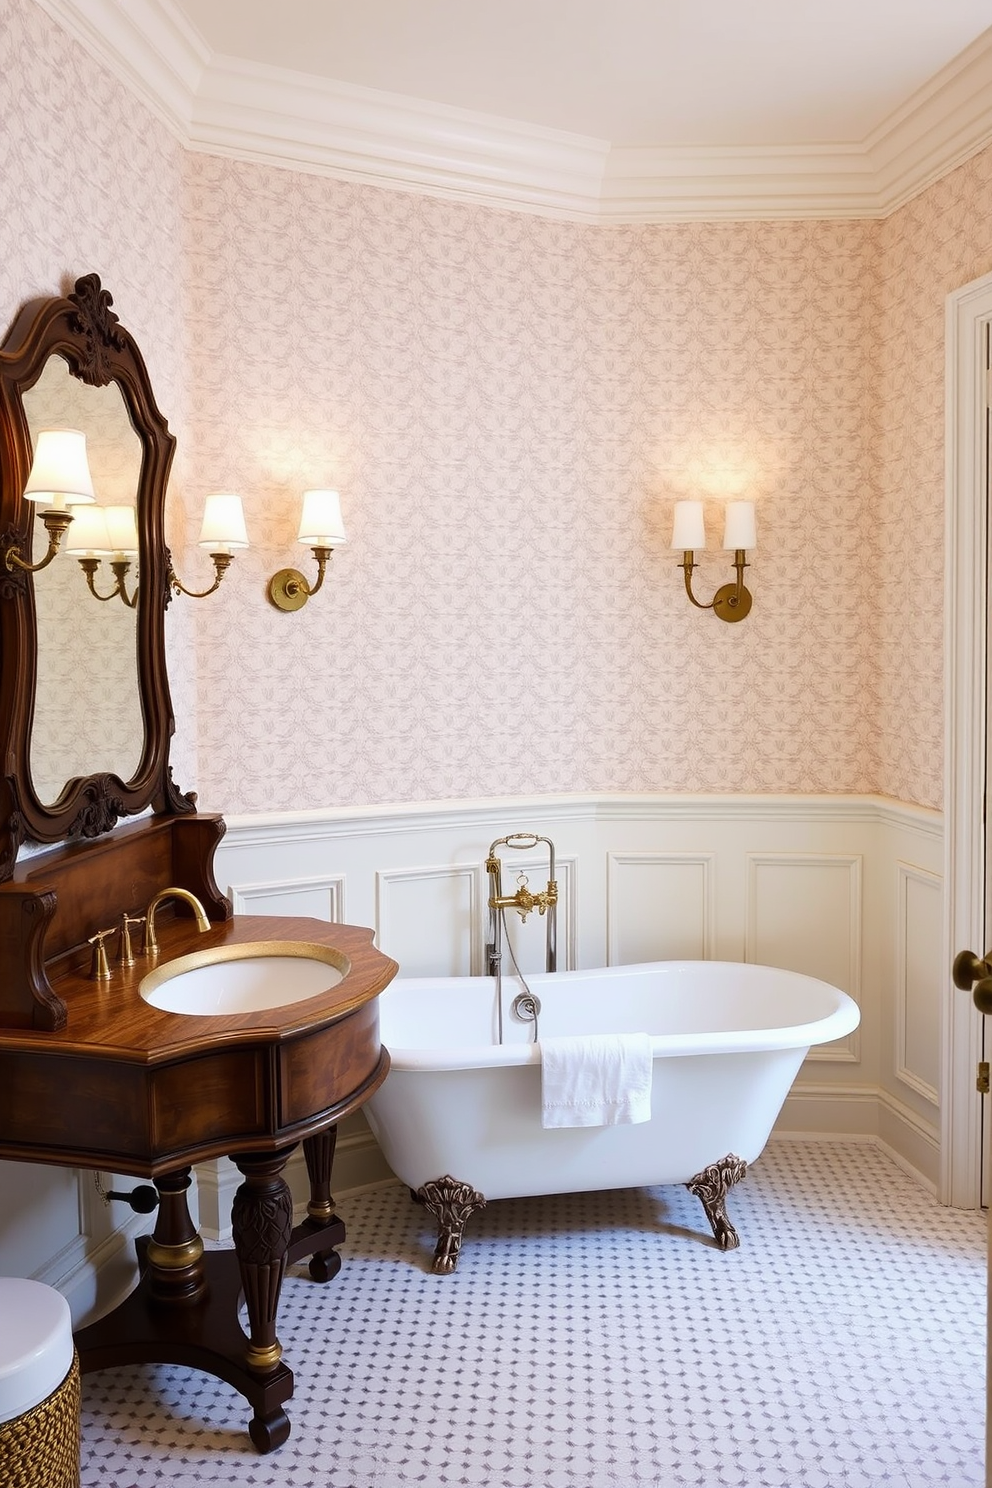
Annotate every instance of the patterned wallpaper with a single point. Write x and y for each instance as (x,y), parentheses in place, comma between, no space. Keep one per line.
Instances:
(509,406)
(936,244)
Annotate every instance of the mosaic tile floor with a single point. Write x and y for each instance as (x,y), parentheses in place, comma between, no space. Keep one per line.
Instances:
(602,1341)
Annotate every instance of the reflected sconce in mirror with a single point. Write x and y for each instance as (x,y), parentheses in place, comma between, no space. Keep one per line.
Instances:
(109,532)
(60,475)
(322,530)
(222,533)
(732,601)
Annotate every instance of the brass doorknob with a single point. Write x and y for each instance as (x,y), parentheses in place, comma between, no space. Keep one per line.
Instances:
(981,995)
(968,969)
(973,974)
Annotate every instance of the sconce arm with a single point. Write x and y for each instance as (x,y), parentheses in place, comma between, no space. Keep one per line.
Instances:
(289,589)
(56,525)
(687,565)
(731,601)
(90,567)
(222,562)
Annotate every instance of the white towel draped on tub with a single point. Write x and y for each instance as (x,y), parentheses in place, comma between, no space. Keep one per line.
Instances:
(601,1079)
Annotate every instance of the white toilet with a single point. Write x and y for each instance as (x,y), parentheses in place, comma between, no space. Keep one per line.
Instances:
(39,1388)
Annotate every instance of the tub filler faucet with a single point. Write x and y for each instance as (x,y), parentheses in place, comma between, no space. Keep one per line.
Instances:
(524,901)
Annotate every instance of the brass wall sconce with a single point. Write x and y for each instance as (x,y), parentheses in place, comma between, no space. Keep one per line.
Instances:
(222,533)
(109,532)
(322,530)
(731,601)
(60,474)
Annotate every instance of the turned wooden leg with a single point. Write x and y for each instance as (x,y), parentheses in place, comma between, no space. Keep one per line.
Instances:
(262,1221)
(711,1187)
(451,1203)
(319,1154)
(173,1257)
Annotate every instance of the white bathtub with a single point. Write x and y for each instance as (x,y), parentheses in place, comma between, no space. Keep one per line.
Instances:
(461,1110)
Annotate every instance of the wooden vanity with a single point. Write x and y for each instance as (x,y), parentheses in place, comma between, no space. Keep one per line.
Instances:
(92,1075)
(124,1087)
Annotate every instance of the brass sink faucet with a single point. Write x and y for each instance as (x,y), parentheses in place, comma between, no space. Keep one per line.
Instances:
(202,923)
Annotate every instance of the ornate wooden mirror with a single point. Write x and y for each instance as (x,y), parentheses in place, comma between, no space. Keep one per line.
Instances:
(75,664)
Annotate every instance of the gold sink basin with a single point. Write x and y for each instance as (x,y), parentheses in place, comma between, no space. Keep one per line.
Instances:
(249,978)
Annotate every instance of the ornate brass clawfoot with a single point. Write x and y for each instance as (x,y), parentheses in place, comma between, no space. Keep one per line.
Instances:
(451,1203)
(711,1187)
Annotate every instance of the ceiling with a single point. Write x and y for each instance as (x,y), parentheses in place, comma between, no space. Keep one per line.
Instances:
(633,72)
(611,109)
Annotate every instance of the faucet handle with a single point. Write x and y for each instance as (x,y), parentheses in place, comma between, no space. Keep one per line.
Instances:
(126,956)
(100,966)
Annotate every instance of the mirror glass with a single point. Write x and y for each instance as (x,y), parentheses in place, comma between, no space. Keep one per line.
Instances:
(87,708)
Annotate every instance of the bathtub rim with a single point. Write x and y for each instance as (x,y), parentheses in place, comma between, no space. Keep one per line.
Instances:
(844,1018)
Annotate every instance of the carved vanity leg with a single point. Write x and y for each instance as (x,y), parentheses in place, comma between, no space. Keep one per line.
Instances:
(262,1222)
(173,1257)
(451,1203)
(711,1187)
(319,1154)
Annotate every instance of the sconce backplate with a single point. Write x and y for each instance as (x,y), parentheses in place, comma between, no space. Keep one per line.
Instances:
(288,589)
(730,605)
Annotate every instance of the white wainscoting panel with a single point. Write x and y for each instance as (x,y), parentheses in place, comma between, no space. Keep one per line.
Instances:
(919,973)
(804,914)
(316,898)
(660,906)
(427,918)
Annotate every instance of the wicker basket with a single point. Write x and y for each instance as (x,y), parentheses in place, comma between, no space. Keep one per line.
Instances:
(41,1448)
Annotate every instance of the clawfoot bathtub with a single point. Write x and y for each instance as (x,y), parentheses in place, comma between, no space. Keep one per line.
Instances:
(459,1115)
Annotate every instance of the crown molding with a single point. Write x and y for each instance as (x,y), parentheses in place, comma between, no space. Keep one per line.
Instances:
(227,106)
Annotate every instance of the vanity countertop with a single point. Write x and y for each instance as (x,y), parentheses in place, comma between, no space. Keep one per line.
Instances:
(111,1017)
(129,1088)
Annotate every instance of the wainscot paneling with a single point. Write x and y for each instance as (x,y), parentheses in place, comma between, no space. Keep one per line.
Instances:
(919,974)
(660,906)
(804,914)
(845,888)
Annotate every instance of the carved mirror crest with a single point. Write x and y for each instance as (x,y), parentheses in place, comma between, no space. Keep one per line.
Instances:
(85,713)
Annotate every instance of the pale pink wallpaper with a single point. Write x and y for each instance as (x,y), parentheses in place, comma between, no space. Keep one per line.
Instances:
(509,407)
(940,241)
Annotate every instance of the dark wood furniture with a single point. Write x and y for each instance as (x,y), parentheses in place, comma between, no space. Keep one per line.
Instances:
(91,1075)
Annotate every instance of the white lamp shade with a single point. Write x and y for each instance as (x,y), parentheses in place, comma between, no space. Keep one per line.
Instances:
(688,530)
(223,527)
(88,536)
(321,523)
(123,528)
(60,473)
(739,530)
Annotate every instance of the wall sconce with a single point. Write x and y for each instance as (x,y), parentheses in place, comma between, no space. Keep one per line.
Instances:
(60,474)
(322,529)
(223,532)
(731,601)
(106,532)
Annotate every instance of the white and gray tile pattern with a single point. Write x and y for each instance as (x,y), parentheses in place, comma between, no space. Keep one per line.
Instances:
(602,1341)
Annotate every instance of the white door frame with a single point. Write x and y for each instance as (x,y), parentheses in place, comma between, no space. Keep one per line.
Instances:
(966,540)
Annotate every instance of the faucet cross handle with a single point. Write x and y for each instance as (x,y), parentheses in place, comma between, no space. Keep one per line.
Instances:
(100,966)
(126,955)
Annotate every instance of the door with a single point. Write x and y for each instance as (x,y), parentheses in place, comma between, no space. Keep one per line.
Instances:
(966,1148)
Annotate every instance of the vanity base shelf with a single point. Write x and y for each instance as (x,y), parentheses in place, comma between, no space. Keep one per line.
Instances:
(205,1335)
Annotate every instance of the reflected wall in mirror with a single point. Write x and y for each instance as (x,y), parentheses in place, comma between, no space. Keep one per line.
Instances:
(87,707)
(85,723)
